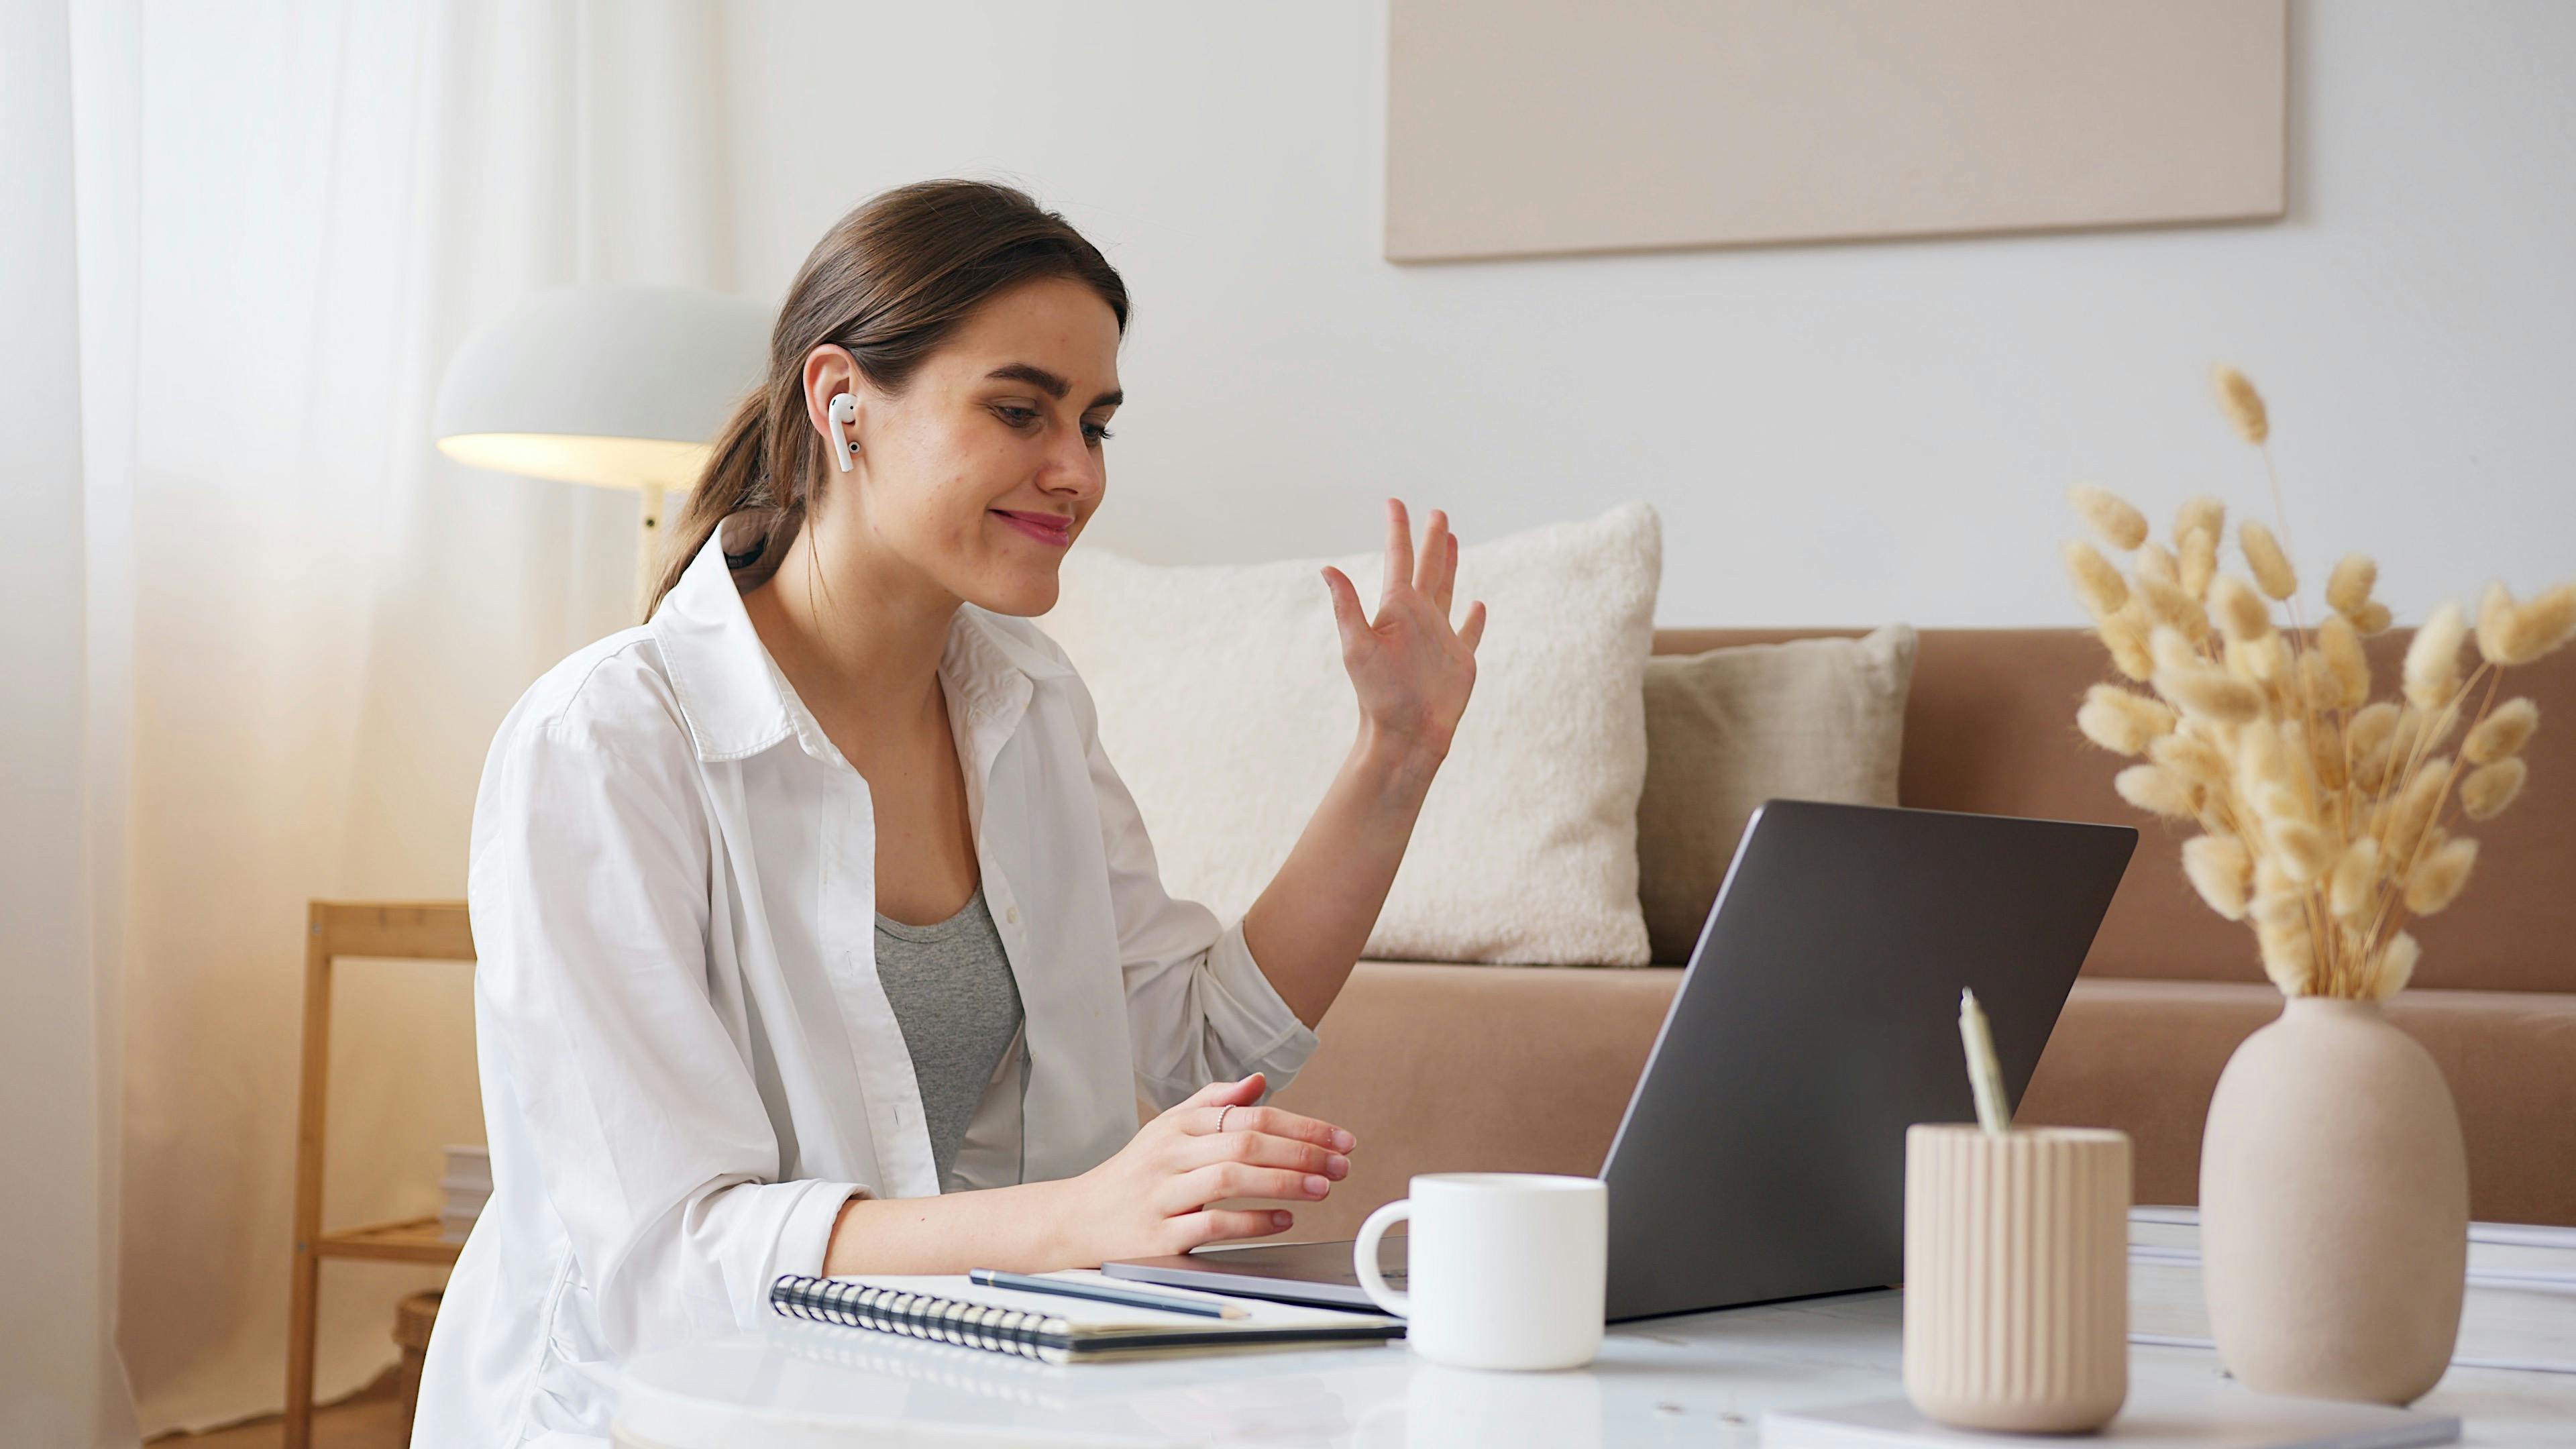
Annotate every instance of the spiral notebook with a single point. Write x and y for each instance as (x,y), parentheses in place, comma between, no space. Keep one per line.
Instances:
(949,1309)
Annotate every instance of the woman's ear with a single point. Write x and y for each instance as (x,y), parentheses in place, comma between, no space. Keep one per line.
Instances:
(831,384)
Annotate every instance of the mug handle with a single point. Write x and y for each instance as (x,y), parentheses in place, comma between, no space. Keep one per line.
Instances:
(1364,1258)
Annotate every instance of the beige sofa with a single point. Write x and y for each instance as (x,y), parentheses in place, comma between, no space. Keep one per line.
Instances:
(1444,1067)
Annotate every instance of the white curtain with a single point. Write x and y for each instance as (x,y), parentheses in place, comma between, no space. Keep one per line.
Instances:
(60,832)
(291,214)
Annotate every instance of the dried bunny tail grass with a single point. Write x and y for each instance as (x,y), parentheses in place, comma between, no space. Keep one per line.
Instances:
(2547,621)
(2502,734)
(2122,721)
(2219,868)
(2263,555)
(2191,756)
(2197,560)
(2202,514)
(2390,970)
(2269,779)
(2110,516)
(2125,634)
(2373,620)
(2289,955)
(2437,879)
(2339,645)
(2097,583)
(2348,587)
(2154,789)
(2367,741)
(2489,788)
(2318,686)
(2168,605)
(2411,814)
(2173,649)
(2495,623)
(2155,561)
(2325,753)
(2305,852)
(2511,633)
(2353,891)
(2242,404)
(2433,658)
(2265,659)
(2211,694)
(2240,611)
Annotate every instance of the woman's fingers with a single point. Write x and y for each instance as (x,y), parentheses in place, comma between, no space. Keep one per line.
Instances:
(1474,628)
(1217,1182)
(1272,1121)
(1350,619)
(1435,554)
(1444,570)
(1399,551)
(1262,1150)
(1216,1225)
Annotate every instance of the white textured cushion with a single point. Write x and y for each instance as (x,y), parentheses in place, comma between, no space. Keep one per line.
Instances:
(1224,706)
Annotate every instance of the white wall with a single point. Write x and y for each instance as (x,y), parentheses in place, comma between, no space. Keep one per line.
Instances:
(1833,434)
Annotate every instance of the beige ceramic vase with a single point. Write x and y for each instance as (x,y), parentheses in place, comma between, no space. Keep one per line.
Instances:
(2334,1208)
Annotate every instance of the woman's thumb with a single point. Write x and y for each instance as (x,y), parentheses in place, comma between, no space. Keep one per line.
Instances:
(1346,600)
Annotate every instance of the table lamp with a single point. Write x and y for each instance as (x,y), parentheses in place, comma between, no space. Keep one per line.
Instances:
(618,387)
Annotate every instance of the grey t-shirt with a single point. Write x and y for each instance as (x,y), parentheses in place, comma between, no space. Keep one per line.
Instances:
(952,993)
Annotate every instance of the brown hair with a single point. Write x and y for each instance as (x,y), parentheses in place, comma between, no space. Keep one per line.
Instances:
(890,281)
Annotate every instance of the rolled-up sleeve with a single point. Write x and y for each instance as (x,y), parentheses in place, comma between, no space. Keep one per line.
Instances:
(589,893)
(1199,1007)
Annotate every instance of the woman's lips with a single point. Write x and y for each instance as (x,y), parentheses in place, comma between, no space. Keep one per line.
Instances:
(1044,527)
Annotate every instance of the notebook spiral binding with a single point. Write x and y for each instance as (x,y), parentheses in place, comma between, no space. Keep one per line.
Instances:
(915,1315)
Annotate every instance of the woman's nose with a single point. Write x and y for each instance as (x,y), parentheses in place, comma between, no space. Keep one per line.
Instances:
(1075,467)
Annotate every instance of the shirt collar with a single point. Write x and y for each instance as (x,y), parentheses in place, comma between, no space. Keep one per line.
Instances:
(736,704)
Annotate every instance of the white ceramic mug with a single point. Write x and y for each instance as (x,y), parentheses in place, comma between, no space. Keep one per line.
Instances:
(1505,1268)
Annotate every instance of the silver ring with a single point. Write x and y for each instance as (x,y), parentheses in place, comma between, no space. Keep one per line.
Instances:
(1220,1115)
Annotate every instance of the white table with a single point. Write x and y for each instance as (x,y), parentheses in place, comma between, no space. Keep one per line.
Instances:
(1704,1379)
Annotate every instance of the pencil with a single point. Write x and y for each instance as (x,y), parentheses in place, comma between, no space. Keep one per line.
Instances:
(1104,1292)
(1985,1078)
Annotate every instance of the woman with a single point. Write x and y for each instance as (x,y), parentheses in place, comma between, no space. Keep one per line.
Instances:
(704,1064)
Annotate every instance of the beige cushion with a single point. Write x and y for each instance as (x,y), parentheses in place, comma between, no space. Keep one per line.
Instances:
(1225,708)
(1817,719)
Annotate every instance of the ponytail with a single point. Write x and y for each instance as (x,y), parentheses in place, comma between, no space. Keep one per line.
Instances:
(890,282)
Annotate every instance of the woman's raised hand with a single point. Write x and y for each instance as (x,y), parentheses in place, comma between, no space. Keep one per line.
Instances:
(1412,671)
(1152,1198)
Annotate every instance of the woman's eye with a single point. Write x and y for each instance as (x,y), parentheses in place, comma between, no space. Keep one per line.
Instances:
(1022,417)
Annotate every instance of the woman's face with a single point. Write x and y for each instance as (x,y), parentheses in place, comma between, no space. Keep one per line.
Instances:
(981,475)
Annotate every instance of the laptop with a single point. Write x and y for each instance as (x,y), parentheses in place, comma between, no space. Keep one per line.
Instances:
(1762,1155)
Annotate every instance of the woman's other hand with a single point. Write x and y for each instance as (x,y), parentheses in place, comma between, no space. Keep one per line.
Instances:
(1152,1198)
(1411,670)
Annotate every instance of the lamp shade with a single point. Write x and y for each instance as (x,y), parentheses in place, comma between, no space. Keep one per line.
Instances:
(622,387)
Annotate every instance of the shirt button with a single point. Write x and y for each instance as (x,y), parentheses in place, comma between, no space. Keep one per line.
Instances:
(1012,915)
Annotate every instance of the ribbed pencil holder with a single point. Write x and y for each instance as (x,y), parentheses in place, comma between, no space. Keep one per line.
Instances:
(2017,1276)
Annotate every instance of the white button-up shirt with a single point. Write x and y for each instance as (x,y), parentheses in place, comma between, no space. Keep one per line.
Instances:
(688,1064)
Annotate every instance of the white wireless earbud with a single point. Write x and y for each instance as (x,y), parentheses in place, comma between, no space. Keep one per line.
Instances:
(845,409)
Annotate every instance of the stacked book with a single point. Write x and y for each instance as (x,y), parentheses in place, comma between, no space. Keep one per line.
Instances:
(468,1183)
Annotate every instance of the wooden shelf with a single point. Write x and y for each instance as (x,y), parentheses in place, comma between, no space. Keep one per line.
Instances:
(413,1240)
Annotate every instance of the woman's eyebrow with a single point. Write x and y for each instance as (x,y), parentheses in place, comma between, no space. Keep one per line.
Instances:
(1055,386)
